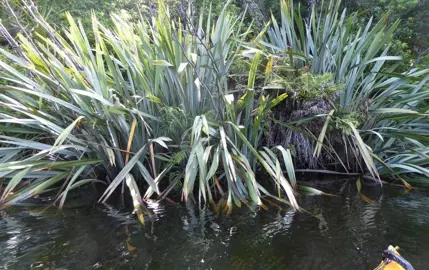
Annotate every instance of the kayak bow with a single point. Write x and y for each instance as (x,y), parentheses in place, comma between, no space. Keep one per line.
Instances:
(392,260)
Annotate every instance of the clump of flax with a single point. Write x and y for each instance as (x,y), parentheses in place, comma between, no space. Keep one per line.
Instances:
(306,98)
(302,143)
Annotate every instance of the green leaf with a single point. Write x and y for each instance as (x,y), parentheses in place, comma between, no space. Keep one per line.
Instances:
(162,63)
(313,191)
(358,184)
(287,157)
(65,134)
(70,184)
(121,175)
(13,183)
(36,188)
(322,134)
(365,152)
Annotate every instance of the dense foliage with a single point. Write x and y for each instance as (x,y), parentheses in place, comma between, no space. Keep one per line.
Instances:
(378,115)
(145,102)
(412,36)
(169,102)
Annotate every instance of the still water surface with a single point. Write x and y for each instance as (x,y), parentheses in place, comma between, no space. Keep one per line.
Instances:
(349,233)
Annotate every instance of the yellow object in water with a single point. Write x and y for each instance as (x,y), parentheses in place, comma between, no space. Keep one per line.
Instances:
(395,262)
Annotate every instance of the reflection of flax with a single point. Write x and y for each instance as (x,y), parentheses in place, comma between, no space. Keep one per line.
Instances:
(256,255)
(130,248)
(238,263)
(366,199)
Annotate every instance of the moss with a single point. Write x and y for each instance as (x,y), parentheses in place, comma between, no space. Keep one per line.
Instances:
(305,85)
(310,87)
(341,120)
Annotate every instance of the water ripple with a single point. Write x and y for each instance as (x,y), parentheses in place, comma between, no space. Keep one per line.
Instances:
(341,233)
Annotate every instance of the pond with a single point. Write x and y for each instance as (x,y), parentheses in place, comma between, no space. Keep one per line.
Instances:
(344,232)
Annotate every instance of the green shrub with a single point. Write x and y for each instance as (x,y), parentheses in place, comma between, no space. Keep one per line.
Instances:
(378,114)
(137,104)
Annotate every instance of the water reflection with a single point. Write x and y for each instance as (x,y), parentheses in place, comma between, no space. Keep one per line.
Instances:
(280,225)
(341,233)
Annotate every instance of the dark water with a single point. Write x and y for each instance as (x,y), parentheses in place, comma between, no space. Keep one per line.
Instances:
(349,234)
